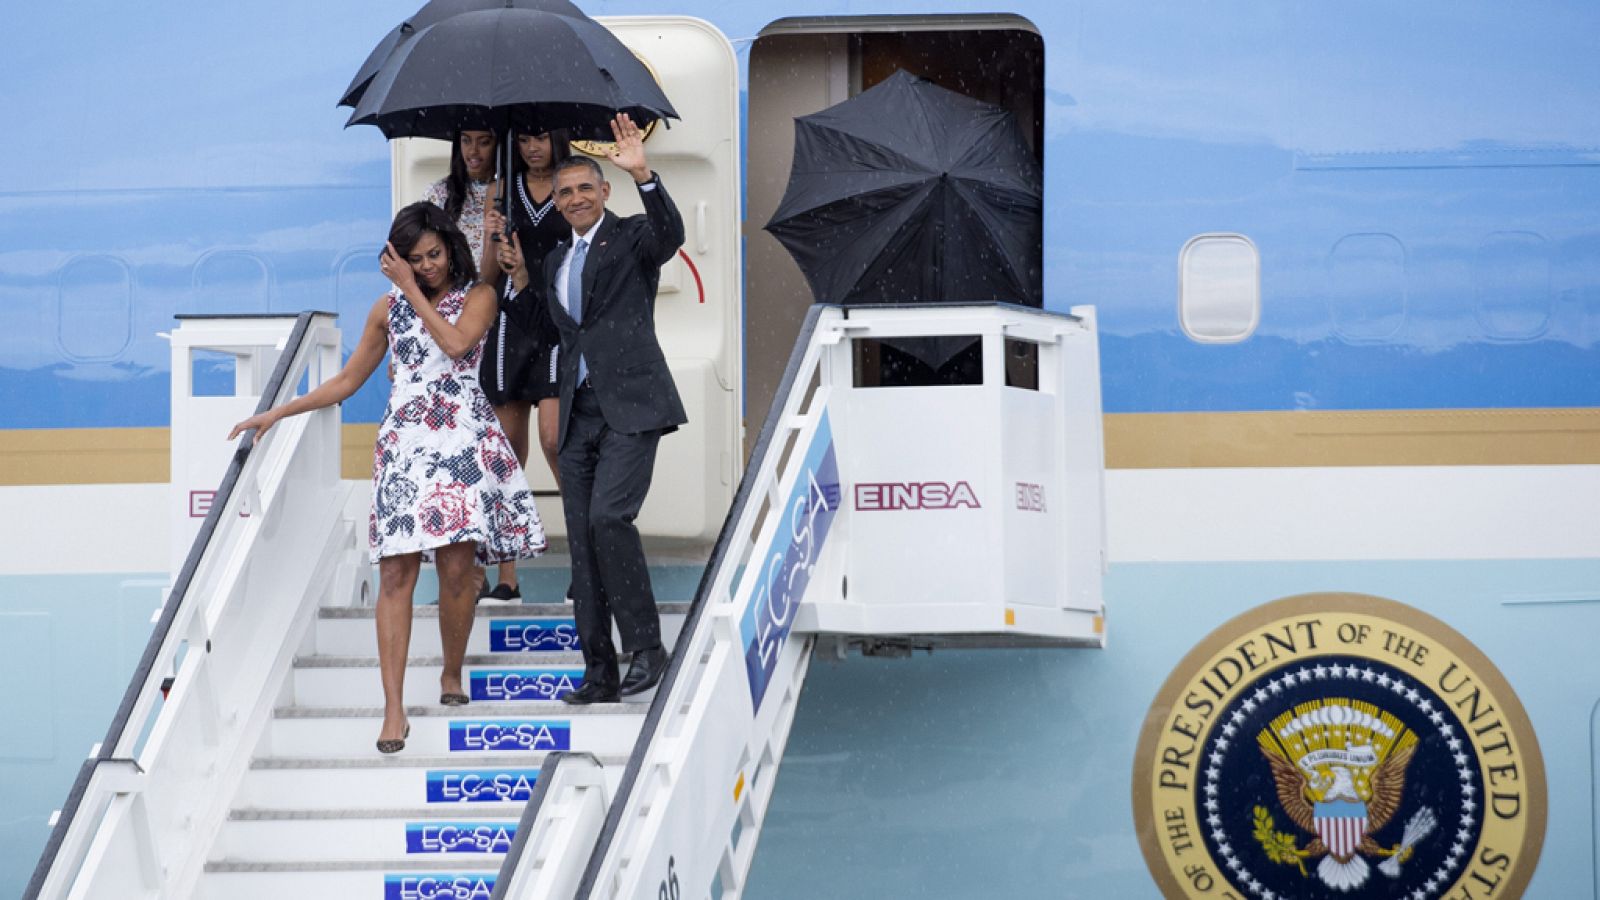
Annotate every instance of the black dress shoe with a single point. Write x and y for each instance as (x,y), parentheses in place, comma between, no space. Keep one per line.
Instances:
(591,692)
(502,593)
(645,671)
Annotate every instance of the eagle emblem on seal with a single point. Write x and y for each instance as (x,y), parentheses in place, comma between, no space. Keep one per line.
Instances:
(1339,772)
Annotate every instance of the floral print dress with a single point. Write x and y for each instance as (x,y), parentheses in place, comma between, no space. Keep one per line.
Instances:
(472,208)
(443,471)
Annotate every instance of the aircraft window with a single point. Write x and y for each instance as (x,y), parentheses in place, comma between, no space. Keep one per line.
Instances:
(1219,288)
(231,281)
(1366,286)
(94,308)
(1511,280)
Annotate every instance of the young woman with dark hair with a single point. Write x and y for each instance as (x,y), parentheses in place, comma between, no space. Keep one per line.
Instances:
(519,368)
(446,485)
(462,194)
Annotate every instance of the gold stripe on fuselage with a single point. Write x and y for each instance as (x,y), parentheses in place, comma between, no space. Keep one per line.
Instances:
(85,456)
(1397,437)
(127,455)
(1434,437)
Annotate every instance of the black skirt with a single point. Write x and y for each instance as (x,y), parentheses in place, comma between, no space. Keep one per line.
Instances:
(519,365)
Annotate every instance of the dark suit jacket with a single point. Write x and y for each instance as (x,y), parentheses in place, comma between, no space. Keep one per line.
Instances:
(618,335)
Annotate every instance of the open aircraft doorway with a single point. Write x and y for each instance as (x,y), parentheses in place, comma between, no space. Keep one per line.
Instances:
(800,66)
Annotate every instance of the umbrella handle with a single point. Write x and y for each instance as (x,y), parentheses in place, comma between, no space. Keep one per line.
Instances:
(505,181)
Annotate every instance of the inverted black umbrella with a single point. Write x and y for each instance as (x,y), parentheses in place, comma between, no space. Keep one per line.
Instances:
(509,68)
(909,192)
(431,12)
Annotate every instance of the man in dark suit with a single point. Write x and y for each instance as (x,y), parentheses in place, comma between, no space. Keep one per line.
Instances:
(617,400)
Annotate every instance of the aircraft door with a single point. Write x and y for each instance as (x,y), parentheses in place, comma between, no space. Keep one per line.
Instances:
(699,303)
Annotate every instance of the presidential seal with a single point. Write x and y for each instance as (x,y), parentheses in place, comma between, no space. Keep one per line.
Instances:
(1338,746)
(602,149)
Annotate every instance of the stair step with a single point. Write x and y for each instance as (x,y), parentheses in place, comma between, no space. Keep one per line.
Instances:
(457,880)
(460,732)
(537,627)
(481,833)
(293,866)
(312,814)
(368,661)
(343,686)
(320,813)
(394,782)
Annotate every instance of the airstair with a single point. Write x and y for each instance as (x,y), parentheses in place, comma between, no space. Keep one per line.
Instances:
(319,814)
(959,504)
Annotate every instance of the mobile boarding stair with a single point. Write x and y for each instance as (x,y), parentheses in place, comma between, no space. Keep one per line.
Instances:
(877,511)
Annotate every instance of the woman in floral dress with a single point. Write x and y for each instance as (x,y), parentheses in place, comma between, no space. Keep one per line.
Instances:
(445,482)
(464,195)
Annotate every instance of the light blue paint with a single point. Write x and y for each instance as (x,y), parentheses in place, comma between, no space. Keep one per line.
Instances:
(216,175)
(1008,773)
(1594,791)
(30,729)
(68,645)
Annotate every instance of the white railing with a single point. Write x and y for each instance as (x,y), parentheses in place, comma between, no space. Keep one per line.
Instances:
(560,822)
(974,494)
(691,803)
(708,750)
(1023,431)
(274,546)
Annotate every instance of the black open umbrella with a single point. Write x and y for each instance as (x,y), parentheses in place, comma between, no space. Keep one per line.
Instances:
(909,192)
(430,13)
(507,68)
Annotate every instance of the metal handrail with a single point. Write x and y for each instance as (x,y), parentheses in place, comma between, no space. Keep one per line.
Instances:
(658,706)
(169,612)
(726,539)
(530,813)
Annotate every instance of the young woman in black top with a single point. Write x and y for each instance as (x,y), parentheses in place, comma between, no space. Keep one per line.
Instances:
(519,367)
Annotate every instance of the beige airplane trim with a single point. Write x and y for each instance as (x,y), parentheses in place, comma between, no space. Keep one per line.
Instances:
(1444,437)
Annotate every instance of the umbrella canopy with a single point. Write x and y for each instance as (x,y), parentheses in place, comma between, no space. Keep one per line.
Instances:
(509,67)
(909,192)
(430,13)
